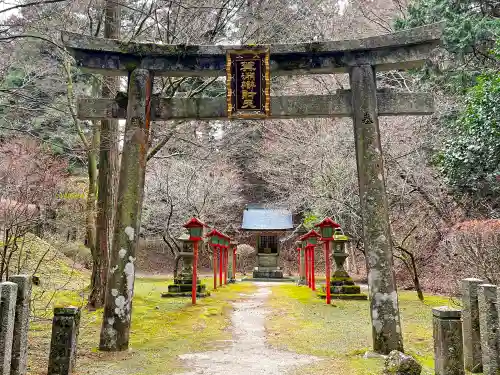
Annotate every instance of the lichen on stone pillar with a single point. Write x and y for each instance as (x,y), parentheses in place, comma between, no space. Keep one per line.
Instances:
(21,324)
(470,323)
(488,322)
(384,306)
(63,346)
(448,344)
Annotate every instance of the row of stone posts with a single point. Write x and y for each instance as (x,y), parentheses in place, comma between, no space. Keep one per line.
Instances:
(469,339)
(15,295)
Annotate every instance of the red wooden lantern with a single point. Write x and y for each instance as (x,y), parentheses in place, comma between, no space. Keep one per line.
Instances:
(299,249)
(220,246)
(225,246)
(311,240)
(327,228)
(195,228)
(214,242)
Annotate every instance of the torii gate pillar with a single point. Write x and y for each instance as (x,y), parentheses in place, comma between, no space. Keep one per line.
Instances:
(386,326)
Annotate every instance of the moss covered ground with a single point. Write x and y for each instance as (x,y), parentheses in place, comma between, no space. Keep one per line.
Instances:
(341,333)
(162,328)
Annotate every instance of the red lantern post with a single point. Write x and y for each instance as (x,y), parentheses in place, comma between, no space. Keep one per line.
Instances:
(310,239)
(313,274)
(308,265)
(234,261)
(195,228)
(221,266)
(226,259)
(215,265)
(327,228)
(227,241)
(298,260)
(214,243)
(306,260)
(227,264)
(224,262)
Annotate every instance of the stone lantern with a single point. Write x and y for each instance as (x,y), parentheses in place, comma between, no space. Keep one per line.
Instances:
(340,284)
(339,252)
(184,281)
(300,231)
(233,244)
(232,232)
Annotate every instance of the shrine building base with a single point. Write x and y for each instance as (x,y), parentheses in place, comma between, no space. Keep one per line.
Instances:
(267,273)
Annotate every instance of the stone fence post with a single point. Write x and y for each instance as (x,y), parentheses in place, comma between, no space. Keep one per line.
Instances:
(21,325)
(8,293)
(470,325)
(64,340)
(448,344)
(488,320)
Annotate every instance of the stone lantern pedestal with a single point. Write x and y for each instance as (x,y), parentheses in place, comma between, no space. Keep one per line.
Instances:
(183,281)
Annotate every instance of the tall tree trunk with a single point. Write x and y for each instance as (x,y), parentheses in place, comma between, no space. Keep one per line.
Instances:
(92,186)
(90,148)
(120,286)
(107,172)
(416,279)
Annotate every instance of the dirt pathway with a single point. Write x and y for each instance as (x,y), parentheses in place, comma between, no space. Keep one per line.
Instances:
(247,353)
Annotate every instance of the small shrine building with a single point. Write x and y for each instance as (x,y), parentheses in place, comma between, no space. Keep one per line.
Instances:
(266,226)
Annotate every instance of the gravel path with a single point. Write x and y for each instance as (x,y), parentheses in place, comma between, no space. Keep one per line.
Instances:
(248,353)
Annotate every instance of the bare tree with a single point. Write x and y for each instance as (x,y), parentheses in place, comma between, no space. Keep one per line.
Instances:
(28,188)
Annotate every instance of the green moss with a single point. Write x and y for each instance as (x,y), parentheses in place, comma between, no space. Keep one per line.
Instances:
(341,333)
(148,49)
(343,296)
(340,279)
(351,289)
(162,328)
(130,66)
(314,47)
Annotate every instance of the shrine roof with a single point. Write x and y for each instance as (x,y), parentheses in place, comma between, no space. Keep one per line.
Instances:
(264,218)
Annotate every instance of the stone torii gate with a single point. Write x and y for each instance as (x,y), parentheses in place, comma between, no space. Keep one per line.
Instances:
(363,102)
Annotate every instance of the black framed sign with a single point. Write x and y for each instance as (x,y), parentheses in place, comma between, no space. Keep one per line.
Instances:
(248,83)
